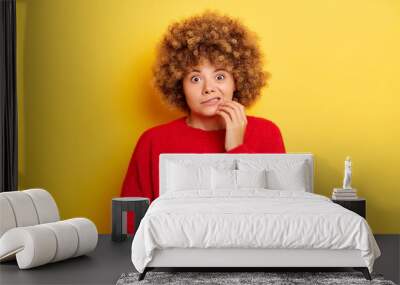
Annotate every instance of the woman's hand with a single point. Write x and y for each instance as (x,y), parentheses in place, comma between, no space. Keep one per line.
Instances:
(235,123)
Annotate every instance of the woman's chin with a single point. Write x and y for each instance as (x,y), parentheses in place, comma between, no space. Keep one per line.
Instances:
(206,111)
(209,112)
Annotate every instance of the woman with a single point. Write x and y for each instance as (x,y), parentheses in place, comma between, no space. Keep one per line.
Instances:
(210,67)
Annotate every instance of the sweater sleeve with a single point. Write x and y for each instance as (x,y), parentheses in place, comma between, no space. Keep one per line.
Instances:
(278,145)
(137,182)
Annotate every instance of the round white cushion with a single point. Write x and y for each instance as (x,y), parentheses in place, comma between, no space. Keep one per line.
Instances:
(87,235)
(46,207)
(24,211)
(67,239)
(7,216)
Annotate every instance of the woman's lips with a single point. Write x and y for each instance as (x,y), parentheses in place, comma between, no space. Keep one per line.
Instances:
(211,102)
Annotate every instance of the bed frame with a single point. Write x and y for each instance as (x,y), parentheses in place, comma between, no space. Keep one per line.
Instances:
(249,258)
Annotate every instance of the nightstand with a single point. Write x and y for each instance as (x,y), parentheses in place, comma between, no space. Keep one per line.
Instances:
(357,205)
(120,207)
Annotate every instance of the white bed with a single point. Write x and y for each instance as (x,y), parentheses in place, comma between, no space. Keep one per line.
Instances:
(248,226)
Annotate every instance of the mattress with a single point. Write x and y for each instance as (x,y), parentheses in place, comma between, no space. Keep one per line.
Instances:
(253,218)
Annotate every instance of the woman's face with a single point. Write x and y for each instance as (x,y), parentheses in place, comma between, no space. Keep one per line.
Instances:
(206,86)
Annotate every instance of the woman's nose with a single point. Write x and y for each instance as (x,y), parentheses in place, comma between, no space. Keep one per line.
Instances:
(209,91)
(208,88)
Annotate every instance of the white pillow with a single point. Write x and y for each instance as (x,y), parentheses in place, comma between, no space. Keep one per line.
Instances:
(187,177)
(282,174)
(228,179)
(223,179)
(287,179)
(252,178)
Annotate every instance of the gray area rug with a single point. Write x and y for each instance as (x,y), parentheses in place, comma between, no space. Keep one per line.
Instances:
(225,278)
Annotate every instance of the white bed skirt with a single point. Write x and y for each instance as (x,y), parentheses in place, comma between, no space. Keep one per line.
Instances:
(213,257)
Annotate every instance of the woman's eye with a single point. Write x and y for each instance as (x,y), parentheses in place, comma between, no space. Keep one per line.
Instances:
(220,76)
(195,79)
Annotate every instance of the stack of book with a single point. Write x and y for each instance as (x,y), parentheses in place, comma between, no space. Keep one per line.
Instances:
(344,194)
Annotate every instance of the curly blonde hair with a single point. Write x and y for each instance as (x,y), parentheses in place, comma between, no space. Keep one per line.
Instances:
(220,39)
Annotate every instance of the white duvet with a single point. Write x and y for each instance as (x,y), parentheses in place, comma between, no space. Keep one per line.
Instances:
(251,218)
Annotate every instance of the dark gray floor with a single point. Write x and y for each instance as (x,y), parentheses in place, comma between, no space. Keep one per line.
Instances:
(111,259)
(389,262)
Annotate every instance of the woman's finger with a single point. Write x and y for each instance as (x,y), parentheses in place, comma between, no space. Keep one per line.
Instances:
(225,115)
(233,109)
(236,112)
(229,110)
(241,109)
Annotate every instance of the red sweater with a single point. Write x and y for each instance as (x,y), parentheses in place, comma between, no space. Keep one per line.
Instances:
(141,180)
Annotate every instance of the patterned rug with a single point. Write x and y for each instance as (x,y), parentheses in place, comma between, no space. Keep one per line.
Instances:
(269,278)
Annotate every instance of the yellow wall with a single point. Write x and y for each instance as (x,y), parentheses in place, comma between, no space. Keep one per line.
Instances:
(85,96)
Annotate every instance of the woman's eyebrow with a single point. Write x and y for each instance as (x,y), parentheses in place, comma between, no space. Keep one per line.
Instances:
(219,69)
